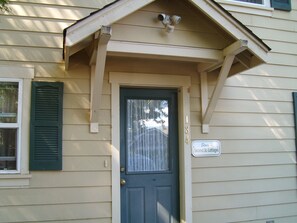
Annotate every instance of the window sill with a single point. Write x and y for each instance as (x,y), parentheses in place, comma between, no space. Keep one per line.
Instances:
(14,180)
(246,8)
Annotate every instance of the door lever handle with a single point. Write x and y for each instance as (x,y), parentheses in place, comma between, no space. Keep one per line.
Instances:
(123,182)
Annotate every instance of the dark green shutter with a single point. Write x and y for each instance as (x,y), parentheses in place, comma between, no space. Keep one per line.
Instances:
(46,126)
(281,4)
(295,115)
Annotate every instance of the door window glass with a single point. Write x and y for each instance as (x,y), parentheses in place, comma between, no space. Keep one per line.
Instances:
(147,135)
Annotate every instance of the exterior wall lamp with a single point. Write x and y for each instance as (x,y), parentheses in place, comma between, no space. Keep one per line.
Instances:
(169,21)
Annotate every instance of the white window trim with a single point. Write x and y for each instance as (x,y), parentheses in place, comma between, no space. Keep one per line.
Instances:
(266,3)
(182,83)
(16,125)
(24,76)
(247,8)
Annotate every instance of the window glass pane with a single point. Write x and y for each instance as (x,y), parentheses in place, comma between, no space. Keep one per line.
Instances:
(8,102)
(8,148)
(147,135)
(252,1)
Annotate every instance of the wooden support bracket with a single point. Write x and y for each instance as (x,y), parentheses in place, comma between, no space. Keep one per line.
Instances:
(97,75)
(208,106)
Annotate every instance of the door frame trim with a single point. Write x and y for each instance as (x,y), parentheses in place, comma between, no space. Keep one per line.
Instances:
(182,83)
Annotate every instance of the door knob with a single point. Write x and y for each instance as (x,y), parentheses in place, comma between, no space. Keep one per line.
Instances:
(123,182)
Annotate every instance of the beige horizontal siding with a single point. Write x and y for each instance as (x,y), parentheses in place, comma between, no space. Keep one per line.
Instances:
(86,148)
(247,187)
(254,106)
(226,174)
(260,82)
(256,94)
(70,179)
(82,116)
(29,54)
(144,18)
(280,220)
(243,200)
(246,119)
(254,120)
(245,133)
(260,146)
(86,163)
(42,196)
(238,160)
(83,101)
(76,3)
(39,213)
(31,39)
(263,22)
(145,21)
(282,47)
(34,24)
(81,132)
(272,70)
(247,214)
(63,12)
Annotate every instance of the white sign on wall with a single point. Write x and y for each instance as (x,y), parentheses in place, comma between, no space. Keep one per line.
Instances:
(205,148)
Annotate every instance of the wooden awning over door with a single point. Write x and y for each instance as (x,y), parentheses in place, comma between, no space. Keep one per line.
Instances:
(94,34)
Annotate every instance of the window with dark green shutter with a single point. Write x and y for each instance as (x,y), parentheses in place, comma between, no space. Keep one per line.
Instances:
(46,126)
(281,4)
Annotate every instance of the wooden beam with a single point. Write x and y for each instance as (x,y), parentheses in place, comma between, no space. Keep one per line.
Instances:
(245,61)
(122,48)
(204,98)
(93,52)
(236,47)
(217,91)
(97,74)
(208,107)
(209,67)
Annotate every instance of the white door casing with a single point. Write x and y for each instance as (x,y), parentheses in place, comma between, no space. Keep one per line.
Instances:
(182,83)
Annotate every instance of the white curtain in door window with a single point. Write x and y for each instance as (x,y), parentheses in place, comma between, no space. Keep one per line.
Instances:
(147,135)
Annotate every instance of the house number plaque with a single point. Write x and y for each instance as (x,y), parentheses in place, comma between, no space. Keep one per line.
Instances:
(206,148)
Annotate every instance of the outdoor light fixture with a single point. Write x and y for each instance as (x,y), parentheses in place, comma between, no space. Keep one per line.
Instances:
(169,21)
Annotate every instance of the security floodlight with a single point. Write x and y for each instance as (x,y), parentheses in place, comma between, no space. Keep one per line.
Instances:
(169,21)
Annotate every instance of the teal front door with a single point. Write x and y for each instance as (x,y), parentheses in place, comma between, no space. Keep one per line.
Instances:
(149,156)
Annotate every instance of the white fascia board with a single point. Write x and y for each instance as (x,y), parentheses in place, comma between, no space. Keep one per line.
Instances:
(104,17)
(165,51)
(231,26)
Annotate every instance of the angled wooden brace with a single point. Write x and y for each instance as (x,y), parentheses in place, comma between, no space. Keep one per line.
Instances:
(97,75)
(207,107)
